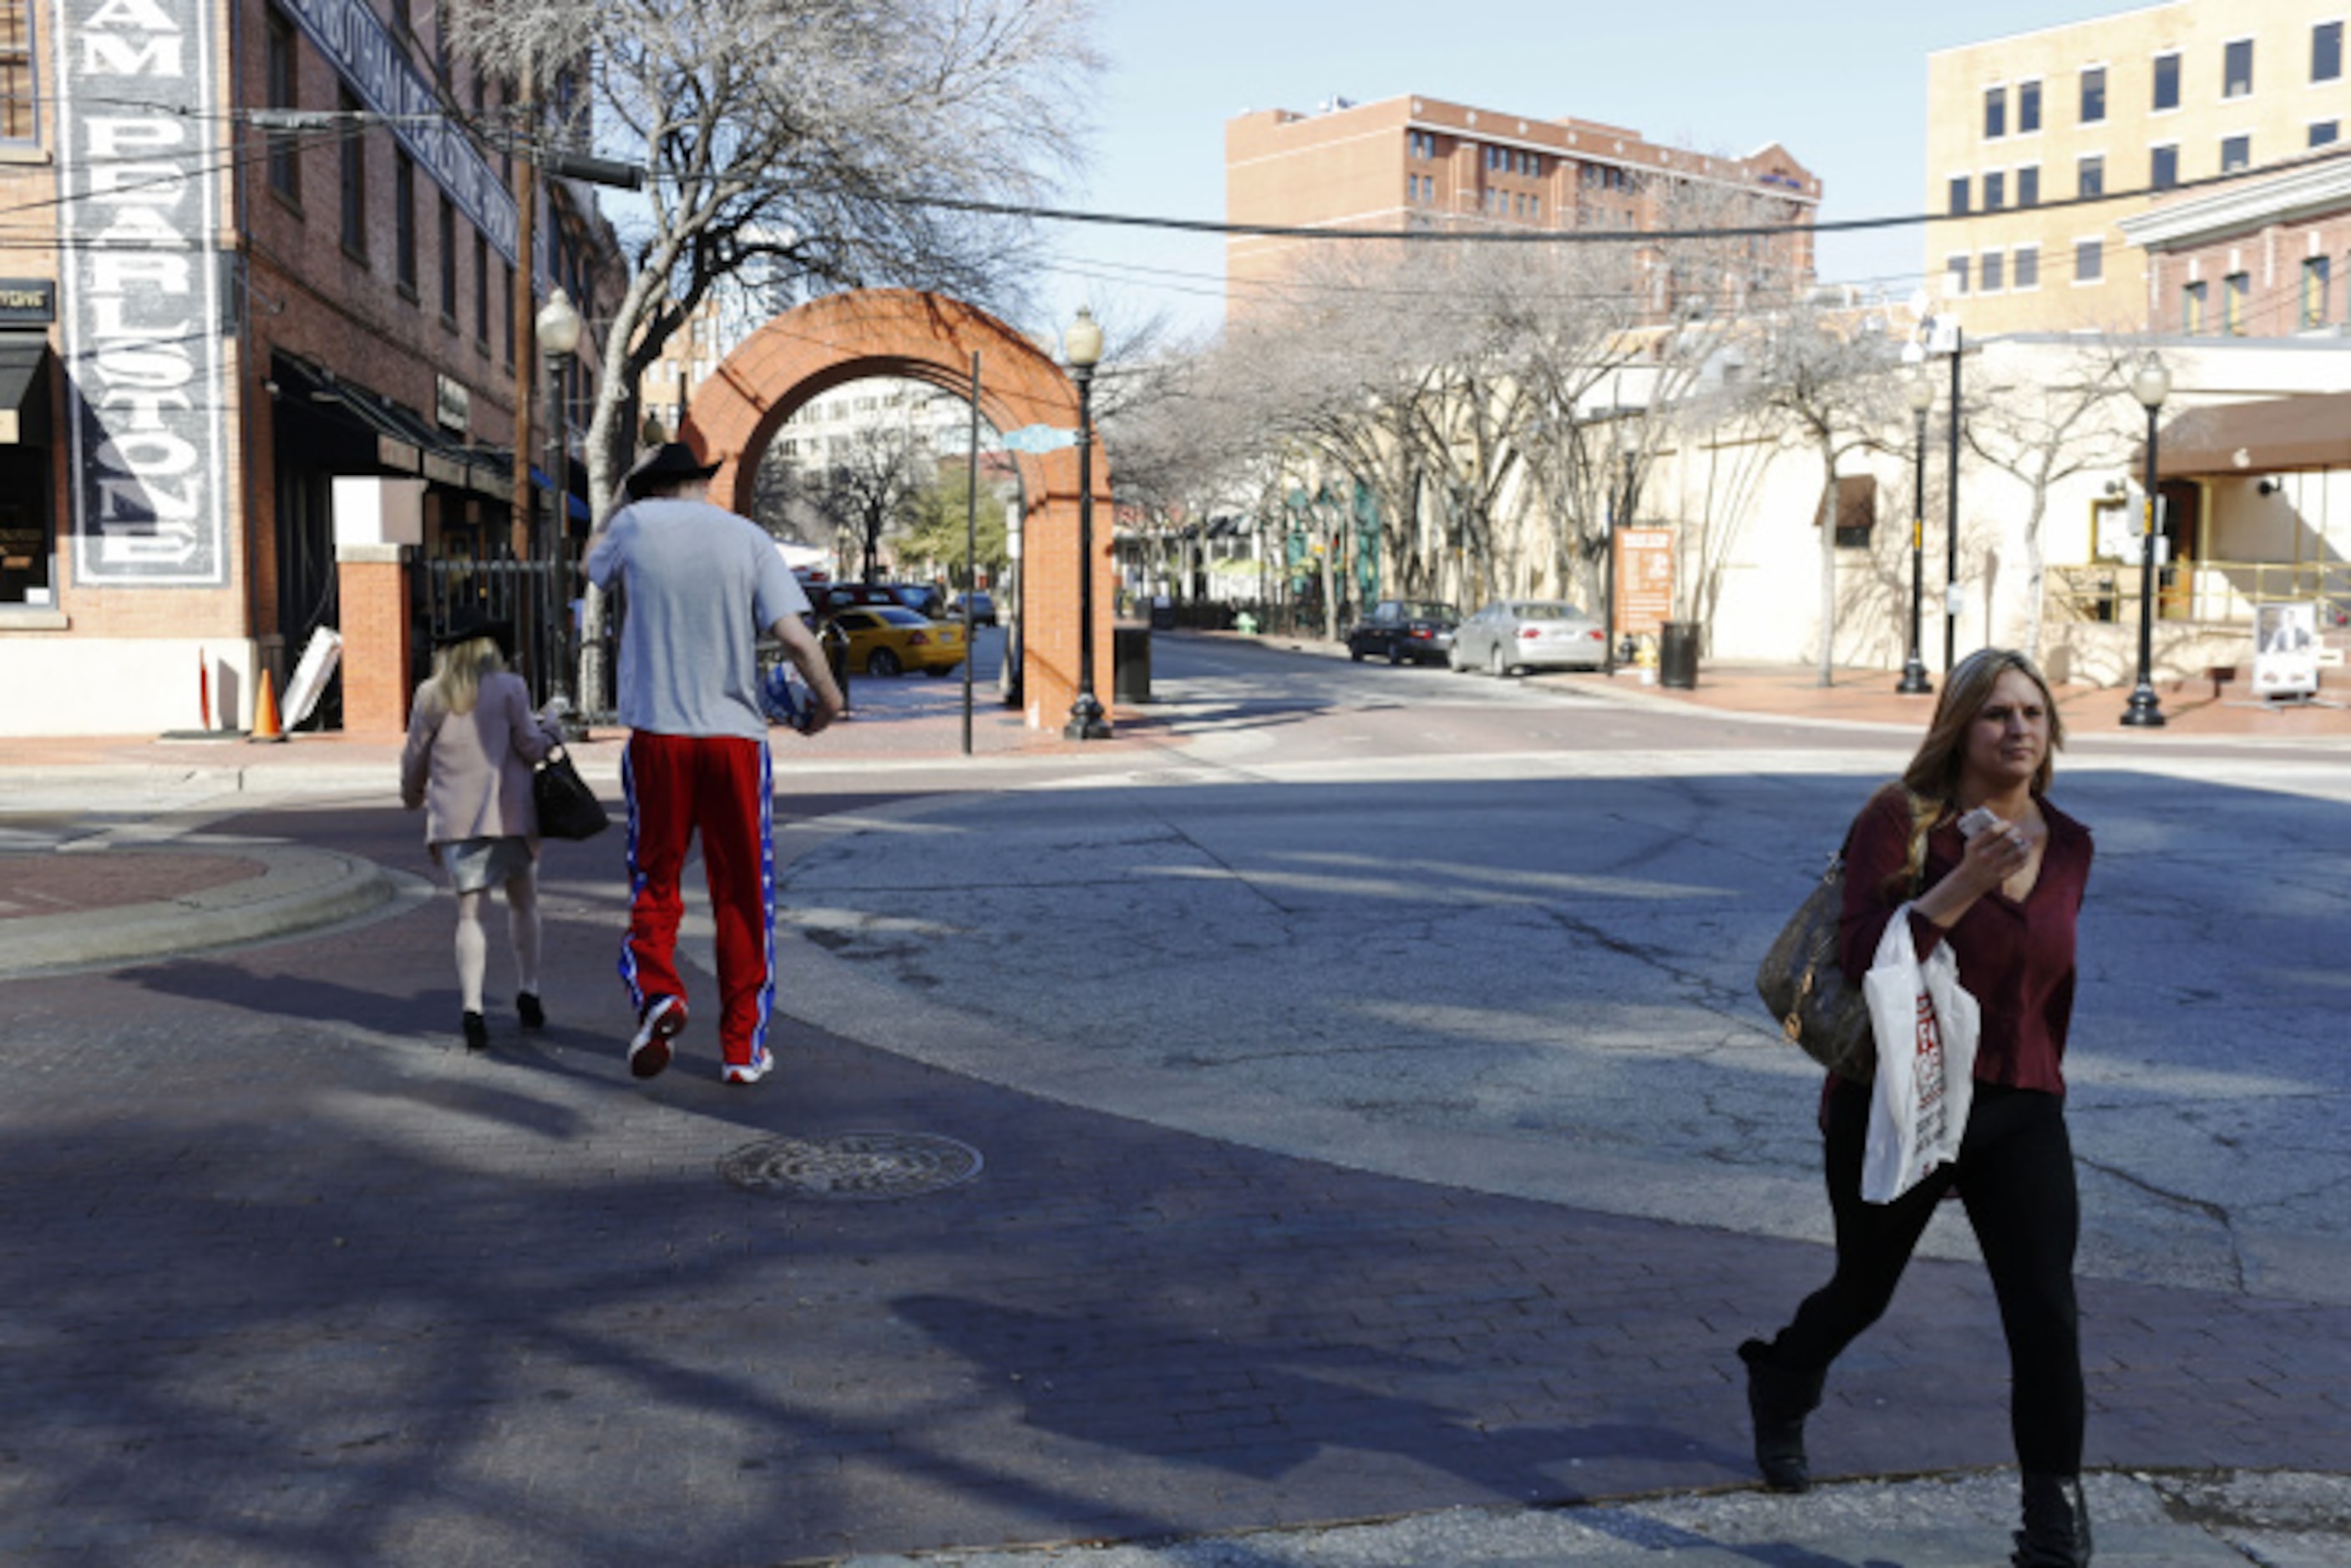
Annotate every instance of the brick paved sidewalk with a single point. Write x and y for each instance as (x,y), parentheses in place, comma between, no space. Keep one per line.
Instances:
(290,1277)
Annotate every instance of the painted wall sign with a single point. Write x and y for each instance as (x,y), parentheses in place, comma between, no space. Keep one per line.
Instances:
(382,78)
(142,268)
(28,301)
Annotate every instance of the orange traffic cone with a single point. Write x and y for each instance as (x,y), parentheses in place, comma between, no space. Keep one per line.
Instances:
(266,726)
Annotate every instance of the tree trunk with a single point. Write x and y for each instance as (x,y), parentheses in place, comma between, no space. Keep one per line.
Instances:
(1828,567)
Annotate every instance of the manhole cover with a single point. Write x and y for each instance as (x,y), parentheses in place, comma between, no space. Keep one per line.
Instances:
(858,1167)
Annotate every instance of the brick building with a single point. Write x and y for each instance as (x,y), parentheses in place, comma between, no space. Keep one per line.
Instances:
(1414,162)
(2042,146)
(2260,257)
(257,352)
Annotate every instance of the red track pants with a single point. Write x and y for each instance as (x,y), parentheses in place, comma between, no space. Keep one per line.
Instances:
(723,786)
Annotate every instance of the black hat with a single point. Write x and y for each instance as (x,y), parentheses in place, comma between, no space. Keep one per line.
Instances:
(468,625)
(670,461)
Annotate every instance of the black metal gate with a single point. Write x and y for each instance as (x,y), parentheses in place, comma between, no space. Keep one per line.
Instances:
(527,595)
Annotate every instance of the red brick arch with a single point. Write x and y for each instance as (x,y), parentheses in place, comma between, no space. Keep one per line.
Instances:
(929,337)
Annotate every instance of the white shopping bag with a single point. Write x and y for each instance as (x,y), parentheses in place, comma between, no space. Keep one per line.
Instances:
(1926,1026)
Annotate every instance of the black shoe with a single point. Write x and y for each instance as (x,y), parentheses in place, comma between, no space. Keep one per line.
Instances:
(478,1032)
(534,1016)
(2057,1532)
(1778,1399)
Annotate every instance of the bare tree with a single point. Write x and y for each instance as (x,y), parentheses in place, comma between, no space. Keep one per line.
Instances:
(803,144)
(1829,377)
(870,484)
(2042,429)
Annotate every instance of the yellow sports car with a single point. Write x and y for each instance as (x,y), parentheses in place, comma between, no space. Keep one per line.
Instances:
(887,641)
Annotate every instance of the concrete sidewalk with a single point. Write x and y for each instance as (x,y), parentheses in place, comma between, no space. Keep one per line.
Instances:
(135,852)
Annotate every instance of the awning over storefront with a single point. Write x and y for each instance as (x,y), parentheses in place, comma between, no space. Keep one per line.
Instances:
(576,504)
(2311,431)
(24,390)
(403,442)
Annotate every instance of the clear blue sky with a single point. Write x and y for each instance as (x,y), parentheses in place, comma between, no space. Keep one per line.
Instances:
(1842,85)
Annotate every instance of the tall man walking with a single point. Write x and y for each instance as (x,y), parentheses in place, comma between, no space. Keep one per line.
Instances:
(700,585)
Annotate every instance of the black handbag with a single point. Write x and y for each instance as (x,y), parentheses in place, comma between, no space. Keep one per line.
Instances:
(568,809)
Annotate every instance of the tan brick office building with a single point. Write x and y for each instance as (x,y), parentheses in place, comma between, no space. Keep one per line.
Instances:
(2041,144)
(1409,161)
(251,361)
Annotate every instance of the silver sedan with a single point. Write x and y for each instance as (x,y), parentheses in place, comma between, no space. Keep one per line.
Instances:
(1510,635)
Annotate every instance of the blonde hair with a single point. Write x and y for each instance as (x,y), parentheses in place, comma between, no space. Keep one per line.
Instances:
(457,671)
(1930,785)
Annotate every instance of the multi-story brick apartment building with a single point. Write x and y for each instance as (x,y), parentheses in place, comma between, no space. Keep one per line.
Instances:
(258,336)
(1414,162)
(2039,146)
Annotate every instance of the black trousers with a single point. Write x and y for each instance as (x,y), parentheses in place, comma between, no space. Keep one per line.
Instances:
(2015,1177)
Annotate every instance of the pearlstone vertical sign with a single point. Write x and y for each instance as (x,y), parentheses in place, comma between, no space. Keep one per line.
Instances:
(139,197)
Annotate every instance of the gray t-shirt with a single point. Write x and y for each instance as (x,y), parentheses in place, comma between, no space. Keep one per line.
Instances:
(703,587)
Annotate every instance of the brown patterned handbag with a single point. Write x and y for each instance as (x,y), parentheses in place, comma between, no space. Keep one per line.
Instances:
(1802,980)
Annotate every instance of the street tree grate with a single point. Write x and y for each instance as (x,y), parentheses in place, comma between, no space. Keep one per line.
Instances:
(851,1167)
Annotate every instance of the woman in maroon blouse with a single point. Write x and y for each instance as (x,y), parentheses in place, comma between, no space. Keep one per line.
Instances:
(2005,899)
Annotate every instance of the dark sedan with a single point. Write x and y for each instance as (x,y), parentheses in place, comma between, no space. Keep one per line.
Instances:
(1405,632)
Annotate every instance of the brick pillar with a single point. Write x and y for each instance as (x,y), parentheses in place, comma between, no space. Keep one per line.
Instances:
(372,581)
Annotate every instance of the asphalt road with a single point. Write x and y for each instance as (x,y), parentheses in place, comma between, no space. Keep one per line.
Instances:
(1496,936)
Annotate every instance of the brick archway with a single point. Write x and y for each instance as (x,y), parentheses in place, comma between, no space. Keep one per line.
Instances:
(930,337)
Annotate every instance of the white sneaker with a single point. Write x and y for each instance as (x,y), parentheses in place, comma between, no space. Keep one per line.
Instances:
(748,1072)
(649,1052)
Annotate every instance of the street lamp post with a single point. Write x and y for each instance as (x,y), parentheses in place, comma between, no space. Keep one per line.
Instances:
(1951,517)
(1628,452)
(559,336)
(2150,384)
(1082,345)
(1920,391)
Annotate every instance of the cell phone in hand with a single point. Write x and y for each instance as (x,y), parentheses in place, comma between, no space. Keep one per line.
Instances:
(1975,821)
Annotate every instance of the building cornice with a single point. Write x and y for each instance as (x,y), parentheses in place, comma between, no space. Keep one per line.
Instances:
(2304,192)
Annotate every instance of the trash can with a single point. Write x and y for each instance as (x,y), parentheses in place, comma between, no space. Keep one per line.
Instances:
(1678,654)
(1130,679)
(1163,614)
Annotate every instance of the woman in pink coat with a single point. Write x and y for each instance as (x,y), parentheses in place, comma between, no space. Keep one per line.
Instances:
(472,739)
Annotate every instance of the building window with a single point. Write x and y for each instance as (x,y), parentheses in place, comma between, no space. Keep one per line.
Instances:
(403,220)
(1995,189)
(2326,132)
(1990,273)
(448,261)
(354,175)
(1856,510)
(2191,308)
(2236,294)
(285,157)
(1420,143)
(2162,167)
(2326,52)
(2090,176)
(1995,112)
(1959,195)
(2028,107)
(2167,82)
(482,290)
(1955,275)
(2237,69)
(2025,270)
(507,319)
(19,88)
(2028,185)
(2089,260)
(2236,153)
(2094,95)
(1535,208)
(2316,286)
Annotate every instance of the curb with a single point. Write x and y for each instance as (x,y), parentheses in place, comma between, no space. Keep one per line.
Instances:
(299,891)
